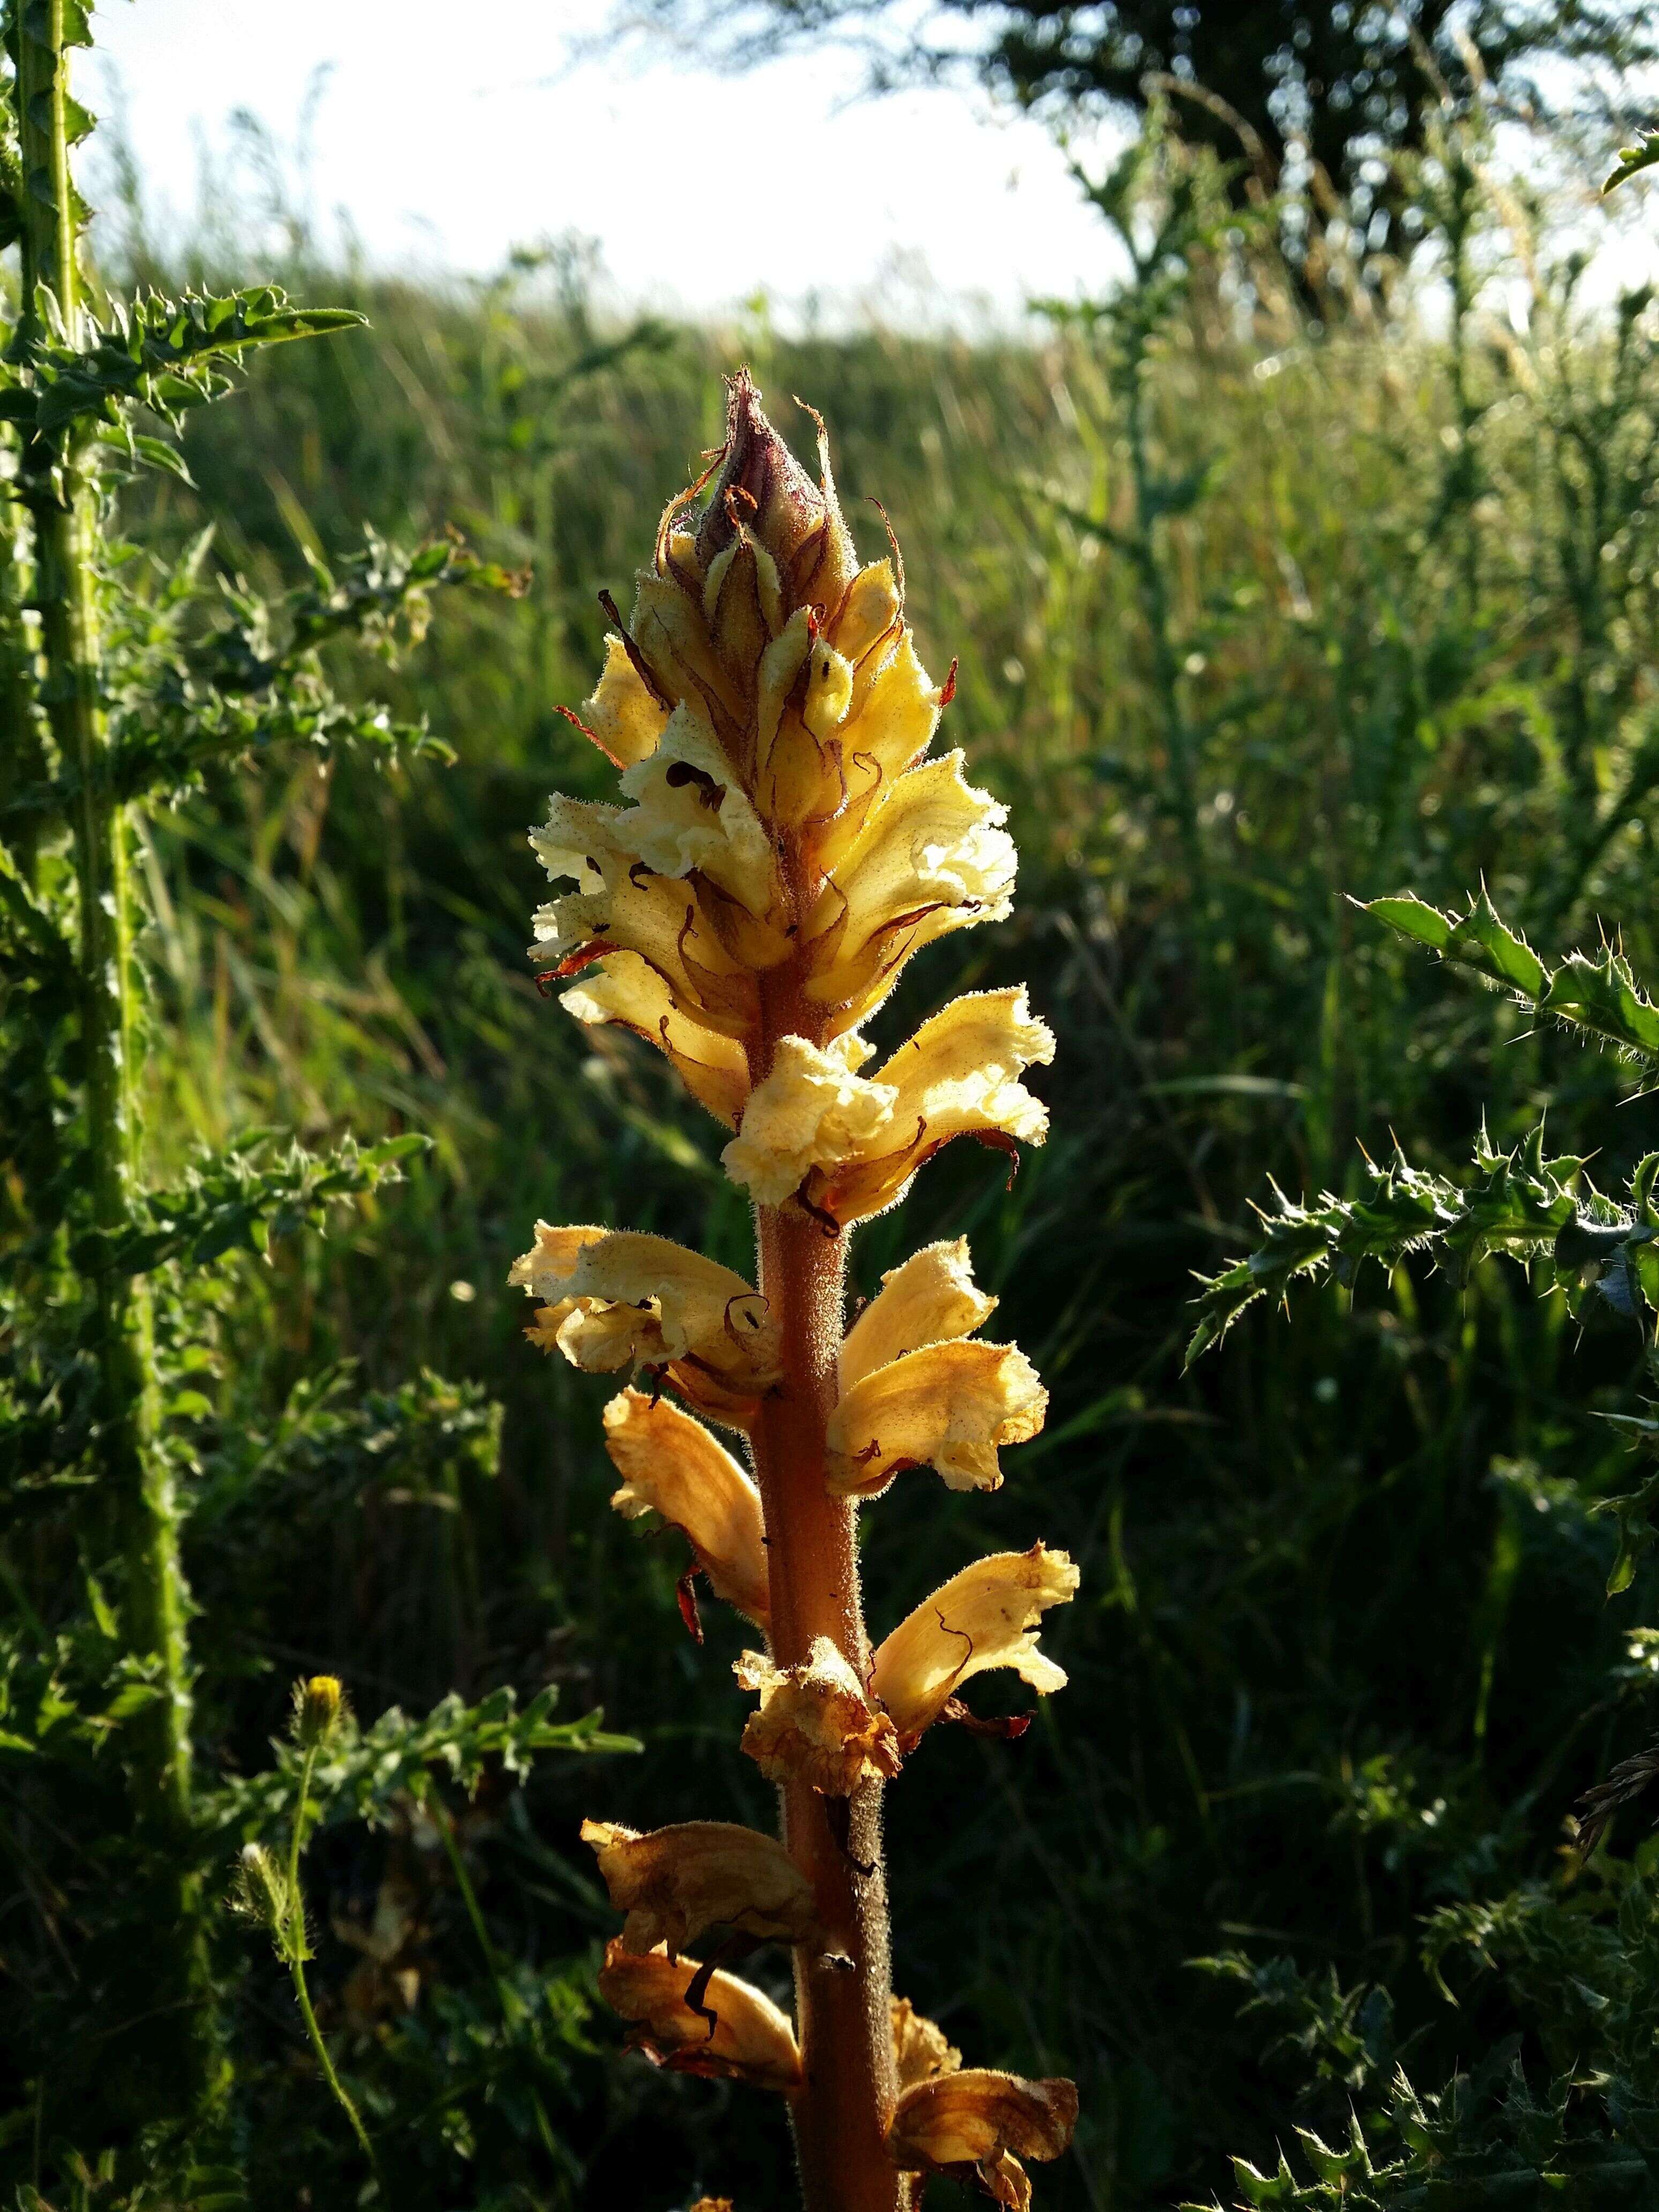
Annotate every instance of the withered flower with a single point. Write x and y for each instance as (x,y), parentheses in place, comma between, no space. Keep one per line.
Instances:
(920,2050)
(815,1723)
(984,2122)
(733,2031)
(674,1883)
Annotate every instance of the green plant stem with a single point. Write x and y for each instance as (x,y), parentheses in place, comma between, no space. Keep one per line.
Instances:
(296,1950)
(510,2009)
(59,490)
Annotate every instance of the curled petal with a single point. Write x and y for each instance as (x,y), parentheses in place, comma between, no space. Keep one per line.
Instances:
(984,2121)
(623,991)
(623,906)
(693,813)
(736,2032)
(614,1298)
(815,1723)
(622,715)
(670,1465)
(959,1076)
(933,859)
(674,1883)
(949,1407)
(931,1299)
(812,1110)
(987,1616)
(920,2050)
(890,724)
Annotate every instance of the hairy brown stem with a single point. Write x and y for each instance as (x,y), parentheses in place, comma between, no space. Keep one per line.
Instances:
(843,1984)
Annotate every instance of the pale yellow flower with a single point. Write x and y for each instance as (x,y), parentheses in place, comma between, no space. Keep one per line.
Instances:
(736,2034)
(920,2050)
(623,991)
(985,2121)
(933,859)
(621,717)
(676,1882)
(621,906)
(849,1145)
(694,813)
(949,1406)
(815,1723)
(987,1616)
(615,1299)
(931,1299)
(672,1465)
(813,1107)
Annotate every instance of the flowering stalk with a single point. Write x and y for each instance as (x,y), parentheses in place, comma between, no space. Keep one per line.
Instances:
(789,845)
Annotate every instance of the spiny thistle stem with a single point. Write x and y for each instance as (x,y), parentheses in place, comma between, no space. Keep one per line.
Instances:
(791,846)
(59,491)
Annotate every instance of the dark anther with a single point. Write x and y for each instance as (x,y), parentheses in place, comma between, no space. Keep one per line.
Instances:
(680,773)
(695,1990)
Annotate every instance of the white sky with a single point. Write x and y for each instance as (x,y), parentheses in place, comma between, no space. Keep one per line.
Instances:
(445,151)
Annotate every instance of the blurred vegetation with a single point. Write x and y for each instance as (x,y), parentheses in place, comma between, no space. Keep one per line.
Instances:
(1253,613)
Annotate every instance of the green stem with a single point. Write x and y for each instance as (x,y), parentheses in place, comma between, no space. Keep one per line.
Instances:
(297,1952)
(504,1998)
(60,492)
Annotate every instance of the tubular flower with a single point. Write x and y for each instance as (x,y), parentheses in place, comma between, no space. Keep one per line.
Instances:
(677,1881)
(950,1407)
(672,1465)
(624,991)
(920,2050)
(614,1298)
(783,839)
(848,1146)
(931,1299)
(986,2122)
(815,1723)
(987,1616)
(732,2032)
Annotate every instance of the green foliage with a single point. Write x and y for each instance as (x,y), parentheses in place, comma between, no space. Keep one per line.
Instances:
(1632,161)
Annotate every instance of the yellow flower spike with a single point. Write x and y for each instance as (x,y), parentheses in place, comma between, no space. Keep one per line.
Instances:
(672,1465)
(677,1881)
(787,839)
(735,2033)
(985,2123)
(932,1300)
(621,717)
(815,1723)
(949,1406)
(614,1298)
(623,992)
(987,1616)
(920,2050)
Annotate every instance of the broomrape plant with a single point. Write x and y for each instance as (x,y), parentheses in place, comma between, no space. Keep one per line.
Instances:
(788,843)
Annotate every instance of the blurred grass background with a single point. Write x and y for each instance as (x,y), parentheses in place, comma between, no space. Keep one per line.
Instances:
(1324,610)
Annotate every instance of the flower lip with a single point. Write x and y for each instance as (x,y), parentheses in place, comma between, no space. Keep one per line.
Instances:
(689,2019)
